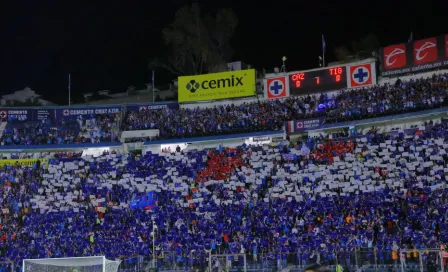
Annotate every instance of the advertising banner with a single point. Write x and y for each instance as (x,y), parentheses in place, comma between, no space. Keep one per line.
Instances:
(216,86)
(158,106)
(304,125)
(27,162)
(85,112)
(413,57)
(54,114)
(23,114)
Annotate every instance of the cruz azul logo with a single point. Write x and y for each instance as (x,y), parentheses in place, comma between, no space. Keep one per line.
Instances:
(3,114)
(232,81)
(425,51)
(394,56)
(360,75)
(276,87)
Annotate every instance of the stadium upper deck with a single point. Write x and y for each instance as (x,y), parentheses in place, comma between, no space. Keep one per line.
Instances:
(103,124)
(325,95)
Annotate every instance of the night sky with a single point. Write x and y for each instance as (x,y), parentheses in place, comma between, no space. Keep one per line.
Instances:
(107,45)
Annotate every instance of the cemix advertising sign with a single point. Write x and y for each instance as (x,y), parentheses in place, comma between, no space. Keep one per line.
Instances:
(216,86)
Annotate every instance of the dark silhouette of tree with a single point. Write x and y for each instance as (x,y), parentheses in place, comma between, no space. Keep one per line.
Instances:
(342,53)
(360,49)
(198,44)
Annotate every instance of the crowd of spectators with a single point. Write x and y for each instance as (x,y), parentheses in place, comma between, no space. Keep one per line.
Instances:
(296,203)
(38,133)
(346,105)
(401,97)
(97,128)
(100,127)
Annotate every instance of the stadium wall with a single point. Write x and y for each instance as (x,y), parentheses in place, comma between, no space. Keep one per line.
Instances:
(214,141)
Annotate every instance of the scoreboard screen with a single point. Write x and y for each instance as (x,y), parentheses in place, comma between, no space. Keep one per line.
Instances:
(327,79)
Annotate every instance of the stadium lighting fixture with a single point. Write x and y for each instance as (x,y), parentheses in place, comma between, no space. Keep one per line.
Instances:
(283,65)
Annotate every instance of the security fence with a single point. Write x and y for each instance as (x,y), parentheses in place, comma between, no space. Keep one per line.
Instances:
(367,260)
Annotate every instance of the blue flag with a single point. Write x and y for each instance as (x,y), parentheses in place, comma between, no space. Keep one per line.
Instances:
(323,44)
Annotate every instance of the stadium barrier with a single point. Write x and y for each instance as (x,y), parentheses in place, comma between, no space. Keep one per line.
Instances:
(367,259)
(148,133)
(200,143)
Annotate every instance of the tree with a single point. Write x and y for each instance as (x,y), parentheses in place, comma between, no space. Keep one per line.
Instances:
(198,43)
(359,49)
(342,53)
(367,45)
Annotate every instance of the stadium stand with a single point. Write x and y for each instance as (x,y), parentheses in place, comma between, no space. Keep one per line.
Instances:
(314,201)
(377,101)
(351,198)
(39,132)
(173,123)
(98,128)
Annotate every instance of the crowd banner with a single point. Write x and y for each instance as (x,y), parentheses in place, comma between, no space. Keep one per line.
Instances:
(27,162)
(414,56)
(304,125)
(216,86)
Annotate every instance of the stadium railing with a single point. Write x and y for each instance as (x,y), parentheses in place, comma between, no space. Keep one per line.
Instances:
(367,259)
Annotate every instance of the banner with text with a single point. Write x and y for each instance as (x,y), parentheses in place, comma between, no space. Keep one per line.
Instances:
(54,114)
(415,56)
(24,114)
(304,125)
(151,107)
(216,86)
(27,162)
(85,112)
